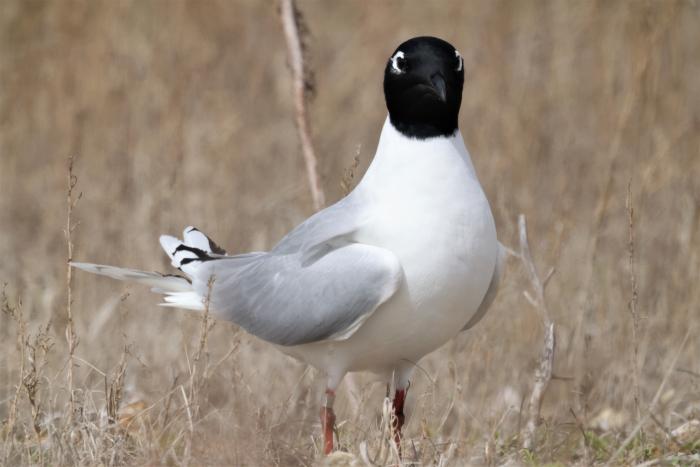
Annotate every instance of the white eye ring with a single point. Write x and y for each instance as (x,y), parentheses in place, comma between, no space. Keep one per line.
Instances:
(461,64)
(394,63)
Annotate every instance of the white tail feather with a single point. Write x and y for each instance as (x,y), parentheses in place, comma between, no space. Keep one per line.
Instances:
(162,282)
(186,255)
(194,238)
(177,289)
(189,253)
(186,300)
(169,244)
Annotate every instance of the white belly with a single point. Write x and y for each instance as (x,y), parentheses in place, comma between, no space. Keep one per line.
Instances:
(445,239)
(448,264)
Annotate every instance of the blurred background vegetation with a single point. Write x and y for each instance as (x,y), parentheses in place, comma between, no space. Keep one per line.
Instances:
(180,112)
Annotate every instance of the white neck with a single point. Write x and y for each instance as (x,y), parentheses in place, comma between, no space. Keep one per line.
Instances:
(397,151)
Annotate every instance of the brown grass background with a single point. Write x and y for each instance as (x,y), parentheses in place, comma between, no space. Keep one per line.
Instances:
(180,112)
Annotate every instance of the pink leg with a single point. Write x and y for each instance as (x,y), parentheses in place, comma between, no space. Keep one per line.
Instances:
(328,422)
(399,417)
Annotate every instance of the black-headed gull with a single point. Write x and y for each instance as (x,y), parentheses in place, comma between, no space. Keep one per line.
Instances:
(384,276)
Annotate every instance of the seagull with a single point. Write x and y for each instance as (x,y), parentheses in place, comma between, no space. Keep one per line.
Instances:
(401,265)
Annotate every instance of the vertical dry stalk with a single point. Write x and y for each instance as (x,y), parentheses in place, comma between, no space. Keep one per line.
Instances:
(291,23)
(629,103)
(71,338)
(15,313)
(204,328)
(37,354)
(632,305)
(113,389)
(585,378)
(198,373)
(387,444)
(652,404)
(188,434)
(543,374)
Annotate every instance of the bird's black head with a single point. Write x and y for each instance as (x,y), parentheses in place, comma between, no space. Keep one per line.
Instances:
(423,87)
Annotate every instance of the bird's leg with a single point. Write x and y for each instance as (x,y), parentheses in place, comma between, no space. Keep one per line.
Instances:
(328,421)
(399,417)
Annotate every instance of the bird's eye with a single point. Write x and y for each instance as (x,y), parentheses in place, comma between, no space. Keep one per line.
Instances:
(460,63)
(398,63)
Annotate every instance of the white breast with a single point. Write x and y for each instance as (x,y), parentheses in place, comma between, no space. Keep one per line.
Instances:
(430,210)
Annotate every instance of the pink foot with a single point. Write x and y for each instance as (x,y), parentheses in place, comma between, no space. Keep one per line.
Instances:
(328,423)
(399,417)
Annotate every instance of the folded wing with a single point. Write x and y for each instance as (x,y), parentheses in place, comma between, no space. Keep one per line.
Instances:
(287,300)
(316,284)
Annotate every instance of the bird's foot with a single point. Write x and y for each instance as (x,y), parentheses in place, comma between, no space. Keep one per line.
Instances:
(399,417)
(328,423)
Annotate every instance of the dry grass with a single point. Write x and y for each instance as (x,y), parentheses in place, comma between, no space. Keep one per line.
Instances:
(181,113)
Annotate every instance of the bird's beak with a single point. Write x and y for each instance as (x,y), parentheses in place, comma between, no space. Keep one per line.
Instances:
(438,84)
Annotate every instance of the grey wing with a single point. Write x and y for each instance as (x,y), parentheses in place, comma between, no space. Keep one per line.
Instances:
(284,300)
(492,290)
(341,219)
